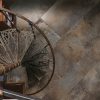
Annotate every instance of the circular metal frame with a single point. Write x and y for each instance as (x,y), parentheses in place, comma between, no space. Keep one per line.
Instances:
(41,32)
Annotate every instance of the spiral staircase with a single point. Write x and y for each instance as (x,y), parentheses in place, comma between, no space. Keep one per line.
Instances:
(55,26)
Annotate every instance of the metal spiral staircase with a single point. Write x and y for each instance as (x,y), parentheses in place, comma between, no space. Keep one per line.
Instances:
(26,55)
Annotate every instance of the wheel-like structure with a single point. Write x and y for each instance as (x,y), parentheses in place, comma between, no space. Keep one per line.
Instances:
(25,44)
